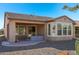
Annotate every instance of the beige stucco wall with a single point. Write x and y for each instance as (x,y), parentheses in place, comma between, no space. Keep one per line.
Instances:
(63,19)
(60,38)
(6,21)
(40,29)
(45,32)
(73,31)
(12,31)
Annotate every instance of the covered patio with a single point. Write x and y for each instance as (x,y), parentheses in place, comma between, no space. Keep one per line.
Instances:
(25,33)
(26,30)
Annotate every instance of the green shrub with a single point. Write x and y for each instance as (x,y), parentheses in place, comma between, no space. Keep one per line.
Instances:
(77,46)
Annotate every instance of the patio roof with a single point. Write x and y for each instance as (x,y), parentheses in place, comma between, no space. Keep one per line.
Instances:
(17,16)
(26,17)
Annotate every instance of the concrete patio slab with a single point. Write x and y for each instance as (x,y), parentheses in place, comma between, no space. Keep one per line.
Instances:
(21,43)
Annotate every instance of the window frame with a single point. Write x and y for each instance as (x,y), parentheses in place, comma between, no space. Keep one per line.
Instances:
(67,29)
(62,24)
(59,29)
(18,26)
(48,29)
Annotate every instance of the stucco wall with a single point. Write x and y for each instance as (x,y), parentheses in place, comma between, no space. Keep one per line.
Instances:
(63,19)
(6,21)
(12,31)
(40,29)
(59,38)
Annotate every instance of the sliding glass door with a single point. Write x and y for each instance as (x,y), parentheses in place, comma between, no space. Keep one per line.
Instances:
(32,30)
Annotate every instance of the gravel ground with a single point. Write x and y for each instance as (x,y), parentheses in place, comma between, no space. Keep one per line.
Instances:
(39,51)
(44,48)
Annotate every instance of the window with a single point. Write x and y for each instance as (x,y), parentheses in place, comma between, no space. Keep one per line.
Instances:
(17,30)
(53,28)
(48,29)
(64,29)
(32,30)
(59,29)
(20,30)
(69,30)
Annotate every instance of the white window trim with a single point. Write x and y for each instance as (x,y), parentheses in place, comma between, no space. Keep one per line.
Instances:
(67,29)
(62,24)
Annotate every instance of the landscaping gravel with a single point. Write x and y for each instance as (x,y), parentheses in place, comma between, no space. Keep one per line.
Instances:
(44,48)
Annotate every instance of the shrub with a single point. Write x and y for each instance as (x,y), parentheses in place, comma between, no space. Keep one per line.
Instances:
(77,46)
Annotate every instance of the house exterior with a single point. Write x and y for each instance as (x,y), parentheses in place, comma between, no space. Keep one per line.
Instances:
(61,28)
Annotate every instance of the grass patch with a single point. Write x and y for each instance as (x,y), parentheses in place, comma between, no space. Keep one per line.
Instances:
(77,47)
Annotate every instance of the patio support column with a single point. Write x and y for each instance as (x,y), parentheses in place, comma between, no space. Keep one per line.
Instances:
(45,31)
(12,31)
(74,31)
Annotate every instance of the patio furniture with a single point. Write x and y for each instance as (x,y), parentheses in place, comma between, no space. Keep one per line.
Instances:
(21,38)
(29,36)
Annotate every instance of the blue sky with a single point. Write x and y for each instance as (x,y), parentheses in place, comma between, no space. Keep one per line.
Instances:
(51,10)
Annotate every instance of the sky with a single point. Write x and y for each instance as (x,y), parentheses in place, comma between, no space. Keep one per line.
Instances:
(40,9)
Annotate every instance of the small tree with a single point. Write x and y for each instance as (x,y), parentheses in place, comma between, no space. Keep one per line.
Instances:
(65,7)
(74,8)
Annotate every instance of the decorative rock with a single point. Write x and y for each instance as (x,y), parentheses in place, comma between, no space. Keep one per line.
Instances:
(63,53)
